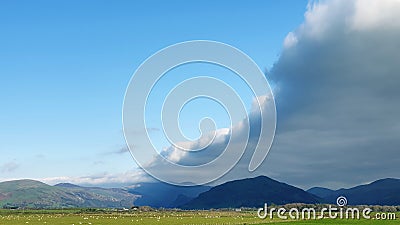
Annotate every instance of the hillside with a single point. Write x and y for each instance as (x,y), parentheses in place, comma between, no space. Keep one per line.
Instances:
(35,194)
(251,192)
(158,194)
(320,191)
(380,192)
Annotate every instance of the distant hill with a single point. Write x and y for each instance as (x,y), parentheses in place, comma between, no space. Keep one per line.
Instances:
(35,194)
(251,192)
(320,191)
(181,200)
(380,192)
(159,194)
(67,185)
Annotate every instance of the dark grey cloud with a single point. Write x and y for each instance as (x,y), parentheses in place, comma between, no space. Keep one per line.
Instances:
(338,101)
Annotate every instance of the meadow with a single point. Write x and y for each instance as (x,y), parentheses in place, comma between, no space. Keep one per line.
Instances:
(79,217)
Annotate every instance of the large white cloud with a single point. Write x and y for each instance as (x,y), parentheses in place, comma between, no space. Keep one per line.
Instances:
(233,138)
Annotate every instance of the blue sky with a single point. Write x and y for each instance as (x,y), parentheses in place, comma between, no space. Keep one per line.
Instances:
(64,67)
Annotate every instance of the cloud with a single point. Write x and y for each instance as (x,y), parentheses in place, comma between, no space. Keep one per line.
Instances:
(98,162)
(235,139)
(338,96)
(104,179)
(139,132)
(9,167)
(121,151)
(177,155)
(290,40)
(152,129)
(372,14)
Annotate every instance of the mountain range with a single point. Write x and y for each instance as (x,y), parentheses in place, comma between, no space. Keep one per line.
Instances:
(380,192)
(35,194)
(250,192)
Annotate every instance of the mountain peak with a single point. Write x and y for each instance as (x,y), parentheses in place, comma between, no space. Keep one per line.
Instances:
(320,191)
(67,185)
(250,192)
(387,181)
(21,184)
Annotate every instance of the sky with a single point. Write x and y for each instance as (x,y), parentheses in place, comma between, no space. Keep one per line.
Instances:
(65,66)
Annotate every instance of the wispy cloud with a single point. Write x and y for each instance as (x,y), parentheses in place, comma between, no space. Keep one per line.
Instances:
(103,179)
(99,162)
(121,151)
(9,167)
(140,133)
(152,129)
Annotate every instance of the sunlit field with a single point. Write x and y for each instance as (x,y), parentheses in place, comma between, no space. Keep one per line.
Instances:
(77,217)
(164,217)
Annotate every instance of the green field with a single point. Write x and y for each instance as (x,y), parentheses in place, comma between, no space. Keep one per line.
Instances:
(71,217)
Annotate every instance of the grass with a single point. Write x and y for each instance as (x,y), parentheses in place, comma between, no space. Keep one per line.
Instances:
(79,217)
